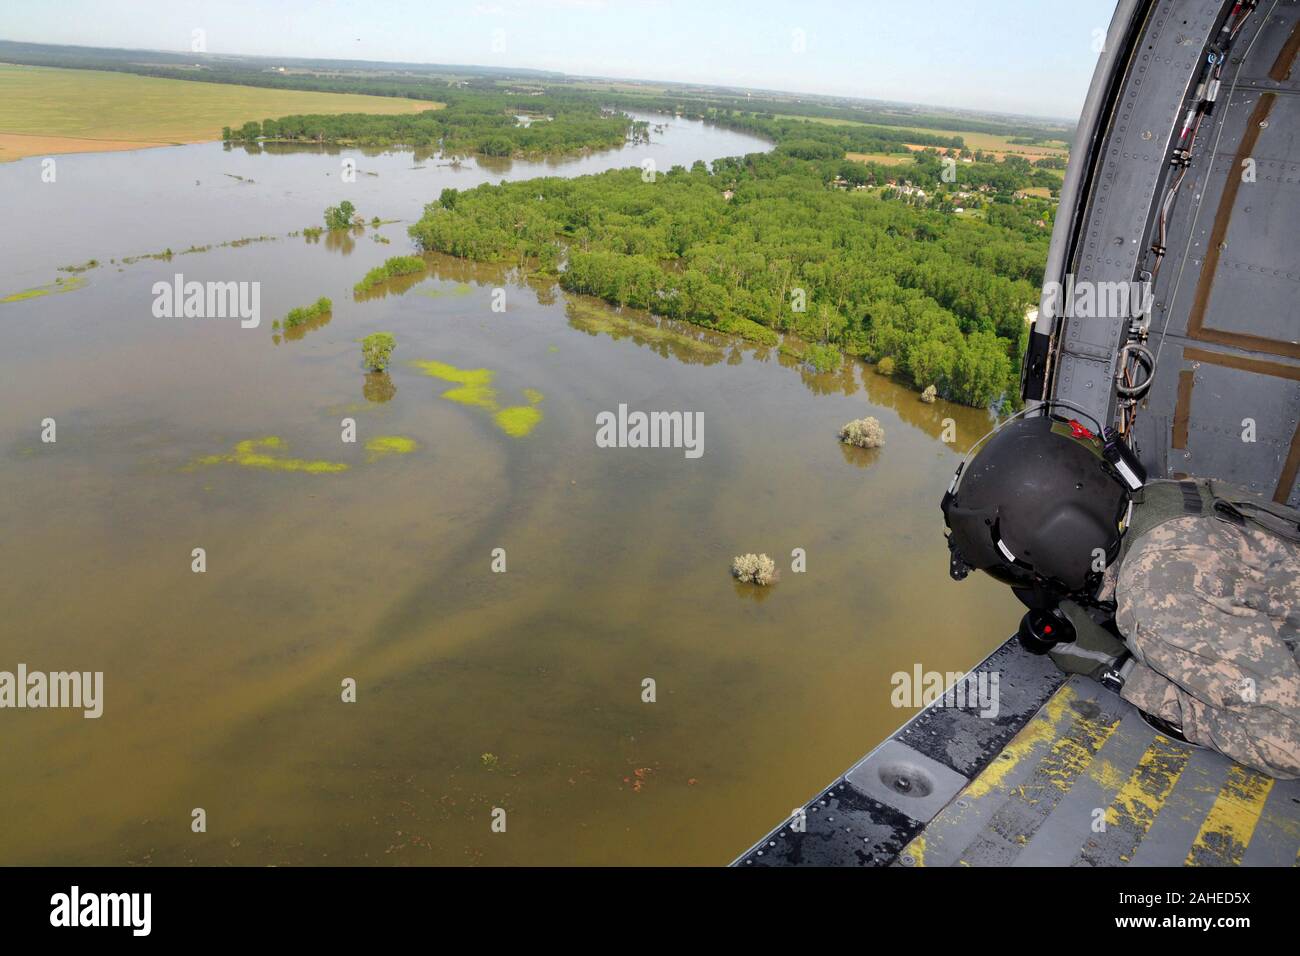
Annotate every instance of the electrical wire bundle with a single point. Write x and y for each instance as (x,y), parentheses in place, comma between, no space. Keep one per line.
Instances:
(1137,365)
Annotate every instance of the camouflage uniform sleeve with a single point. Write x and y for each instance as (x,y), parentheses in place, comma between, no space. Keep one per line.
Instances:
(1204,606)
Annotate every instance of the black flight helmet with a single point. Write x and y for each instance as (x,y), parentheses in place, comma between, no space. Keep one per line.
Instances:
(1034,507)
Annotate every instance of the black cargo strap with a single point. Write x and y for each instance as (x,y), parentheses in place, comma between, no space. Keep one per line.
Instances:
(1276,522)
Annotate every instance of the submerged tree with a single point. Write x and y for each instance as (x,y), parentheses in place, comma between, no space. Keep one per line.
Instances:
(376,349)
(863,433)
(340,216)
(309,314)
(391,269)
(754,568)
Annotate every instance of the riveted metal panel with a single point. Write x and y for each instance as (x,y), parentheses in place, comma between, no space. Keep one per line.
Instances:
(1132,167)
(1230,288)
(1240,428)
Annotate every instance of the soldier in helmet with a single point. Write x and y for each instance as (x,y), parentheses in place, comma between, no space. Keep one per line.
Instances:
(1184,596)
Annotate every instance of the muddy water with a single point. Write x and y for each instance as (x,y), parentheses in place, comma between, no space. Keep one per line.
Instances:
(222,689)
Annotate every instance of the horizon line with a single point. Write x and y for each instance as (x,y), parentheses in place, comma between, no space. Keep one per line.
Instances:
(553,73)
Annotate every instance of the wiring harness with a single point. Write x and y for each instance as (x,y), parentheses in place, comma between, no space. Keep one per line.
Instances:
(1137,365)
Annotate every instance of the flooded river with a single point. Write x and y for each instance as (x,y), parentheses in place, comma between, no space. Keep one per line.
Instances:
(377,561)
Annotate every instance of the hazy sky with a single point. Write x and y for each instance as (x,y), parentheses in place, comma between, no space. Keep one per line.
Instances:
(1028,56)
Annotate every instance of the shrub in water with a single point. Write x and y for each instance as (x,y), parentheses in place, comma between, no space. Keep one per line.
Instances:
(396,266)
(376,348)
(302,316)
(754,568)
(863,433)
(340,216)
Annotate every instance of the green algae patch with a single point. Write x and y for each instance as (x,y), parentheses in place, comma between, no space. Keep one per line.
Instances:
(518,420)
(474,388)
(384,445)
(459,289)
(475,384)
(81,266)
(70,284)
(256,453)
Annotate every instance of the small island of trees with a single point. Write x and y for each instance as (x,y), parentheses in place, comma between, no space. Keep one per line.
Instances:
(377,350)
(306,314)
(473,123)
(396,266)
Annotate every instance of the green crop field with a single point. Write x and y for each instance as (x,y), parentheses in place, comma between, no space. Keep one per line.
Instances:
(47,110)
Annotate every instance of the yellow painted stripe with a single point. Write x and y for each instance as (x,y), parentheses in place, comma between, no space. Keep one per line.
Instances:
(916,850)
(1044,728)
(1075,738)
(1061,741)
(1138,802)
(1041,730)
(1070,755)
(1230,824)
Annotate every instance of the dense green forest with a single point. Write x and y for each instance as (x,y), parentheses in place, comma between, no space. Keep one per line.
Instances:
(482,123)
(769,243)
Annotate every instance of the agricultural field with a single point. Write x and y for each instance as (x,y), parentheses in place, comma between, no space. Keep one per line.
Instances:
(884,159)
(46,110)
(998,144)
(1002,145)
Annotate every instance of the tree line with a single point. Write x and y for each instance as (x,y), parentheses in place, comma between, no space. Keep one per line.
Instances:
(482,124)
(943,297)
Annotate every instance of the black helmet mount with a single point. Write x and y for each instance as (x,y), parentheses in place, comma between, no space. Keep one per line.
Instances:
(1036,507)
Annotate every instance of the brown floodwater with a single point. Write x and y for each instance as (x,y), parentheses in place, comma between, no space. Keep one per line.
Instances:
(475,690)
